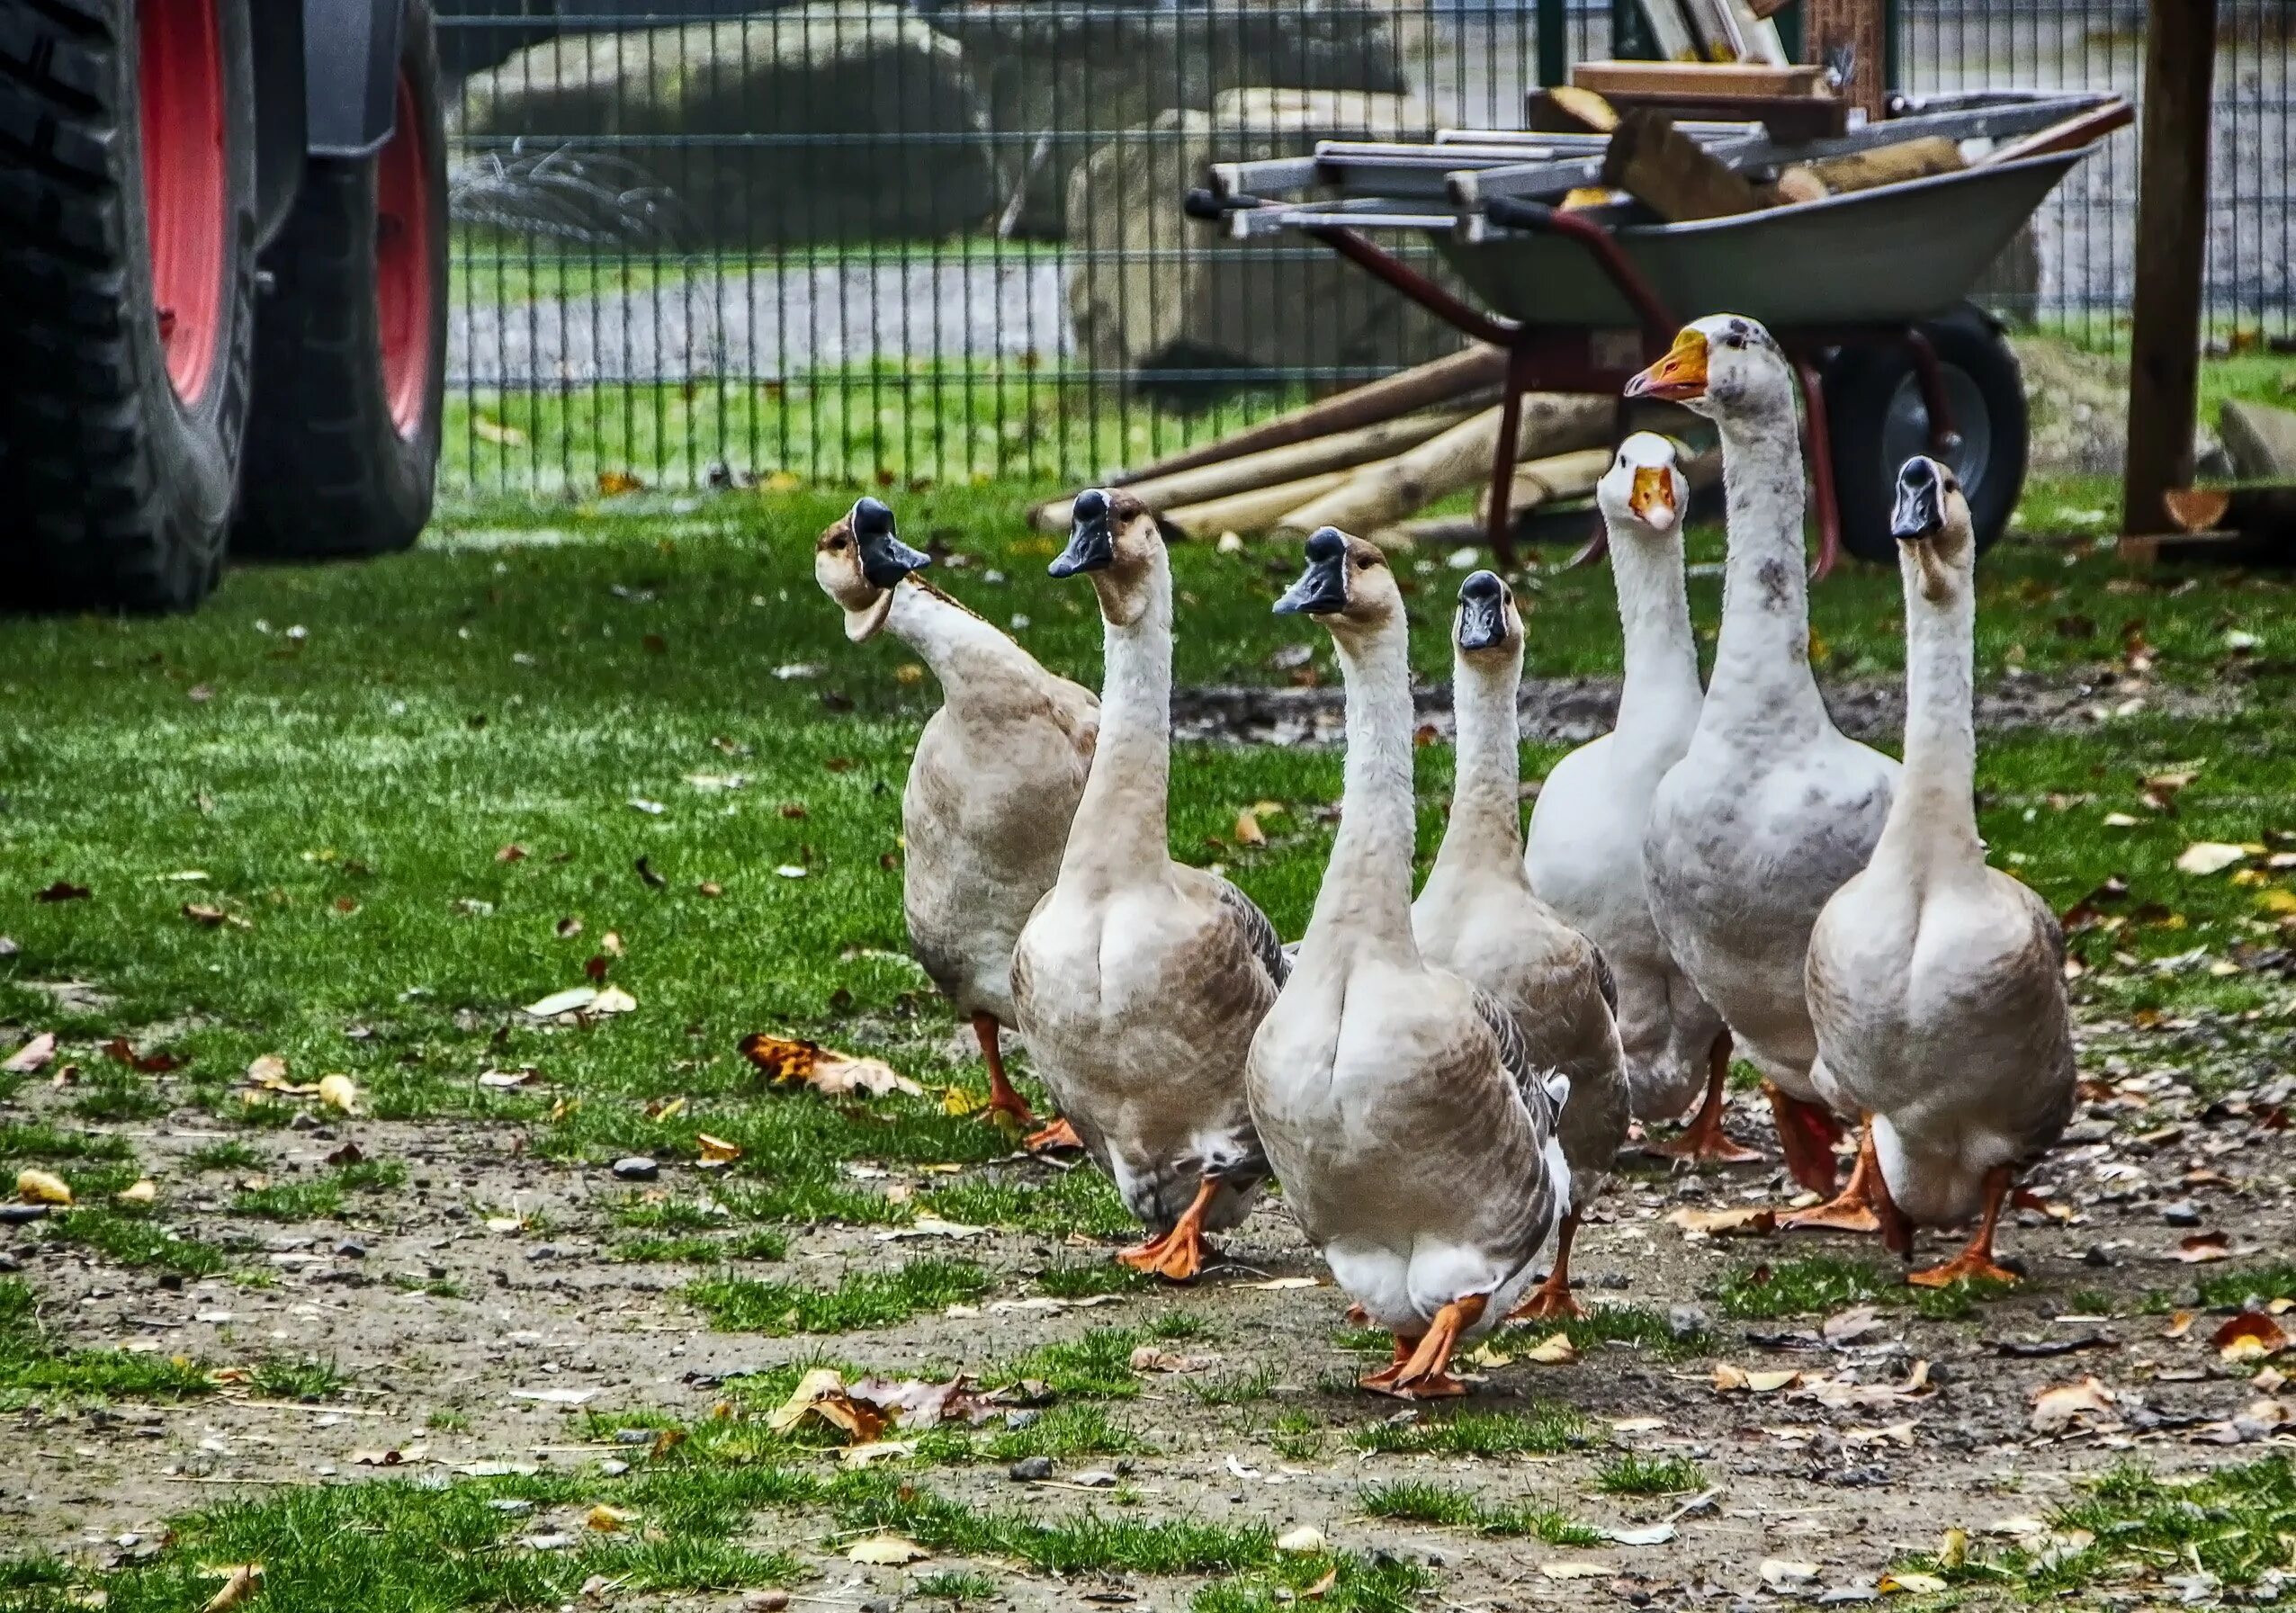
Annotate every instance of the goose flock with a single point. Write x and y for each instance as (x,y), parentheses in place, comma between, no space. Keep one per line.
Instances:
(1440,1083)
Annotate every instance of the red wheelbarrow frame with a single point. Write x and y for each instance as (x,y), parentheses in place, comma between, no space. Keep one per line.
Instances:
(1560,358)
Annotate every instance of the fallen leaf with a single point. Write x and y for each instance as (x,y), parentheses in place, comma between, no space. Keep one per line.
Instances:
(2201,1247)
(665,1109)
(1248,831)
(612,1000)
(1276,1285)
(42,1188)
(1148,1357)
(1726,1223)
(64,890)
(821,1396)
(1906,1583)
(2210,856)
(33,1056)
(930,1226)
(877,1450)
(1323,1587)
(612,484)
(825,1070)
(1303,1541)
(573,999)
(716,1151)
(240,1584)
(1783,1574)
(1555,1349)
(267,1069)
(339,1092)
(502,1080)
(143,1191)
(889,1551)
(1656,1534)
(119,1052)
(2250,1336)
(1560,1570)
(210,917)
(1844,1327)
(1953,1548)
(1730,1379)
(606,1519)
(2060,1407)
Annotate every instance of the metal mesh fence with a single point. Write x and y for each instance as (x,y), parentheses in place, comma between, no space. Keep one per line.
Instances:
(854,239)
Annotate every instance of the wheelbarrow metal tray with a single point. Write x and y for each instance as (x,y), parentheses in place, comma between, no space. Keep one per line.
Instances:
(1887,255)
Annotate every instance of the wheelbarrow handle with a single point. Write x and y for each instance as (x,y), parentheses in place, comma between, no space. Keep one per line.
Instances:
(1201,204)
(1537,218)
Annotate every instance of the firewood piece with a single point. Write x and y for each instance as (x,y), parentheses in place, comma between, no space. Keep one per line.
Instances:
(2197,509)
(2068,135)
(1381,494)
(1699,78)
(1271,467)
(1669,173)
(1256,511)
(1583,107)
(1871,168)
(1551,481)
(1424,386)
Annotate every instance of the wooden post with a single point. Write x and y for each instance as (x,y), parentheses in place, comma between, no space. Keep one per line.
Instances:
(2171,237)
(1859,24)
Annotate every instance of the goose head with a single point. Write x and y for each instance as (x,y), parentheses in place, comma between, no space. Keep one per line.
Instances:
(1113,538)
(1936,544)
(1347,587)
(1643,492)
(1724,366)
(1488,628)
(859,561)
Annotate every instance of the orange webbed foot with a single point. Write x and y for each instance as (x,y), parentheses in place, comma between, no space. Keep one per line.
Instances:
(1549,1302)
(1852,1210)
(1054,1138)
(1427,1375)
(1703,1139)
(1807,1133)
(1967,1266)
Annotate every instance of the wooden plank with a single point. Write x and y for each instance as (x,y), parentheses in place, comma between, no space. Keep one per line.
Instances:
(2172,237)
(2070,135)
(1669,173)
(1860,25)
(1697,78)
(1425,386)
(1787,118)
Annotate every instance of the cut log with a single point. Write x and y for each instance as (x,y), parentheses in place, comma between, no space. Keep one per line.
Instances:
(1583,107)
(1381,494)
(2260,440)
(1871,169)
(1425,386)
(1339,452)
(1699,78)
(1670,174)
(1256,511)
(1550,480)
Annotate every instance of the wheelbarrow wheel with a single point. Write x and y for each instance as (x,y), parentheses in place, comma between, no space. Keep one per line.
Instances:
(1879,421)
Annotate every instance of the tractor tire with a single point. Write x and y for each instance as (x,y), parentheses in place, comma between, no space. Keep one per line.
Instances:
(127,274)
(1877,421)
(351,342)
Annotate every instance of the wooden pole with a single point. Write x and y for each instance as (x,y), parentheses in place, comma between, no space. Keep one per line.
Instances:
(2172,237)
(1864,25)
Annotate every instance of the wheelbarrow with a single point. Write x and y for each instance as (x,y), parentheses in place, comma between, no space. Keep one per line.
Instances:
(1866,291)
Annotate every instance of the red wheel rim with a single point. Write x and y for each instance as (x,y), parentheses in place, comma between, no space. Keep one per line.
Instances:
(402,262)
(179,78)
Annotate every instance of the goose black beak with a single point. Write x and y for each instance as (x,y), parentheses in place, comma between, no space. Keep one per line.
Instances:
(1919,512)
(1482,611)
(885,559)
(1322,588)
(1091,537)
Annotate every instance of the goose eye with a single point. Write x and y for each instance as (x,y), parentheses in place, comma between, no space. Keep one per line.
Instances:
(1364,562)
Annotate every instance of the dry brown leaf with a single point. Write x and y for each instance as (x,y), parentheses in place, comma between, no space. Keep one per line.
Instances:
(210,917)
(1555,1349)
(267,1069)
(1323,1587)
(1730,1379)
(1758,1223)
(2201,1247)
(821,1395)
(1248,831)
(825,1070)
(339,1092)
(716,1151)
(2065,1406)
(1147,1358)
(42,1188)
(605,1519)
(886,1551)
(33,1057)
(2250,1336)
(141,1192)
(240,1584)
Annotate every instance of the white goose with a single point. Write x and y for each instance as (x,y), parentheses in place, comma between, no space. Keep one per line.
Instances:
(1139,980)
(1772,807)
(994,781)
(1416,1141)
(1478,917)
(1937,983)
(1584,853)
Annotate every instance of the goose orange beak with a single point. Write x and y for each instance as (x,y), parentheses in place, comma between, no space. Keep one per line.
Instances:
(1652,498)
(1680,375)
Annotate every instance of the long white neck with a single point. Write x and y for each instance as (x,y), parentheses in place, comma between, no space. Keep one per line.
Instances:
(1934,810)
(962,650)
(1121,819)
(1655,614)
(1365,903)
(1485,829)
(1762,655)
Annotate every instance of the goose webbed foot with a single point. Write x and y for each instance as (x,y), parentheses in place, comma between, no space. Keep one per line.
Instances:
(1055,1137)
(1426,1375)
(1551,1299)
(1002,1100)
(1703,1139)
(1357,1316)
(1178,1256)
(1383,1382)
(1855,1209)
(1975,1262)
(1807,1134)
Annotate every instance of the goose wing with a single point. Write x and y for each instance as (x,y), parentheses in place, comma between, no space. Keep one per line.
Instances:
(1259,935)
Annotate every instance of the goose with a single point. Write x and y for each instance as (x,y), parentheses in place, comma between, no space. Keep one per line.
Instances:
(1476,916)
(1937,983)
(1584,849)
(994,781)
(1772,807)
(1414,1137)
(1139,980)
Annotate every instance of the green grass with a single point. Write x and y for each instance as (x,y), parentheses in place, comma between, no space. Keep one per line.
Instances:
(1081,1202)
(1381,1584)
(954,1587)
(2236,1288)
(134,1238)
(1546,1430)
(307,1378)
(765,1245)
(318,1197)
(1635,1474)
(119,1096)
(230,1154)
(864,1299)
(1639,1326)
(33,1367)
(38,1140)
(1814,1285)
(1406,1501)
(1082,1279)
(2237,1523)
